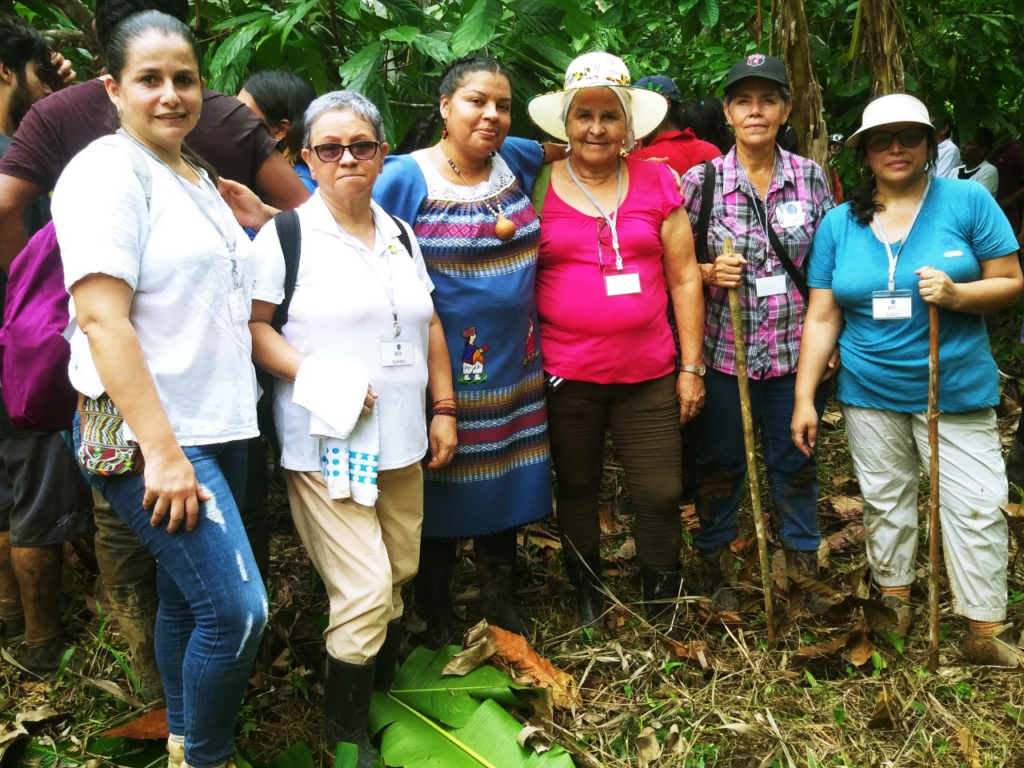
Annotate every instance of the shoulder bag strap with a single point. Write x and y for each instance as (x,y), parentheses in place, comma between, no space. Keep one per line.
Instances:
(290,236)
(799,278)
(707,201)
(403,235)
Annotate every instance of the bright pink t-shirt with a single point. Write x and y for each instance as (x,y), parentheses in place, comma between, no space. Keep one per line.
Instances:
(585,334)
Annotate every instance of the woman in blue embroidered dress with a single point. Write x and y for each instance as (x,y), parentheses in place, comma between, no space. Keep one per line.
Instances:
(467,198)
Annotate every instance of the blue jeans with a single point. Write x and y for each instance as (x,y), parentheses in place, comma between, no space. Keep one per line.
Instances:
(722,462)
(213,606)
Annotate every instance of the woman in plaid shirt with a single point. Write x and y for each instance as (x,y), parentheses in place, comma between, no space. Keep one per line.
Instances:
(758,187)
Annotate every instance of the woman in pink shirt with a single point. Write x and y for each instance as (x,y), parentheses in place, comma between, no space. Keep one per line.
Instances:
(615,246)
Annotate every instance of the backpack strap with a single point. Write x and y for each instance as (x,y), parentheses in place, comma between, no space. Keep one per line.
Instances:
(290,236)
(403,234)
(707,201)
(540,188)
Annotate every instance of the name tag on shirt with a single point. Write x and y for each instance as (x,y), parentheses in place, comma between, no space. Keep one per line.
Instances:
(897,305)
(771,286)
(621,282)
(790,214)
(396,352)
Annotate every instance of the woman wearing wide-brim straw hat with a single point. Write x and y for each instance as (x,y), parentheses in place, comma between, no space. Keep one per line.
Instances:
(615,246)
(762,195)
(904,243)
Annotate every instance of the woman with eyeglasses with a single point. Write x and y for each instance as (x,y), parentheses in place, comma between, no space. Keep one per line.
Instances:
(905,242)
(358,352)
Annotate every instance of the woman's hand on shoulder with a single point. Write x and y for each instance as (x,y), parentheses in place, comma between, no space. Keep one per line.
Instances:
(443,439)
(172,491)
(248,209)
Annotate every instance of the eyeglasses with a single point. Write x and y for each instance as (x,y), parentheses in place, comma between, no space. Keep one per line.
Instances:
(360,150)
(882,140)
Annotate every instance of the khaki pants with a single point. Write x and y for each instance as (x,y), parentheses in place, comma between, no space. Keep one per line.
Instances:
(363,554)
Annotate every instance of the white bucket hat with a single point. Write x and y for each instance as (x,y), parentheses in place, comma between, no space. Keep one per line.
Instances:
(891,108)
(599,70)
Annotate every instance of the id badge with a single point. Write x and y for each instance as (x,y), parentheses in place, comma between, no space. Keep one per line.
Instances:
(622,282)
(790,214)
(771,286)
(897,305)
(396,352)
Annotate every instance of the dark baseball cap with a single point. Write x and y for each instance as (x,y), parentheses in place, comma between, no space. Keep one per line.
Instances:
(757,65)
(662,85)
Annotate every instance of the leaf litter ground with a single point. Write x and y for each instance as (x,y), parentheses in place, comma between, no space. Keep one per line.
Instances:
(701,690)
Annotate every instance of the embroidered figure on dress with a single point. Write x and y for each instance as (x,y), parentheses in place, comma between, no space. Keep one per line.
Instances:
(472,359)
(532,353)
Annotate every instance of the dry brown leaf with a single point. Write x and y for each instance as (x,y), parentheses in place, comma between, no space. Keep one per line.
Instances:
(543,708)
(780,578)
(858,580)
(648,749)
(478,647)
(723,618)
(806,653)
(845,483)
(152,726)
(824,548)
(532,737)
(616,618)
(884,715)
(853,533)
(674,743)
(847,507)
(517,652)
(878,615)
(969,748)
(692,650)
(609,525)
(859,648)
(626,552)
(688,517)
(811,585)
(740,545)
(855,645)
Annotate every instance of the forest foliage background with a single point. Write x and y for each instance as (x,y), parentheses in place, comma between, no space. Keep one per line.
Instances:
(965,53)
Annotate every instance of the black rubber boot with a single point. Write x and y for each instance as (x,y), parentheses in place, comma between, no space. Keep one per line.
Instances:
(724,596)
(433,592)
(661,591)
(584,572)
(347,691)
(497,574)
(387,657)
(135,606)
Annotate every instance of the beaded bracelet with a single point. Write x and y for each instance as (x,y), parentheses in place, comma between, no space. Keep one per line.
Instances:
(445,412)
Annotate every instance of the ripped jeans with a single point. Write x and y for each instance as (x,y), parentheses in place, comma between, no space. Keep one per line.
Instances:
(213,605)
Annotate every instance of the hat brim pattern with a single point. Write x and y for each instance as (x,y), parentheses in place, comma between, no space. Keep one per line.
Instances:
(649,109)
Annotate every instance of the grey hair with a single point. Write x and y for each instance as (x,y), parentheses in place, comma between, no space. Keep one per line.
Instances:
(784,94)
(341,100)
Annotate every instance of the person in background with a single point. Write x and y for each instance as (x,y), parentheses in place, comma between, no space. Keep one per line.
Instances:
(761,194)
(161,285)
(835,149)
(949,156)
(53,132)
(1008,159)
(280,100)
(673,141)
(467,198)
(44,501)
(616,249)
(874,276)
(975,167)
(706,119)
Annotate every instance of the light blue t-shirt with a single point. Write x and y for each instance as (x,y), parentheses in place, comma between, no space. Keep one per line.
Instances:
(885,362)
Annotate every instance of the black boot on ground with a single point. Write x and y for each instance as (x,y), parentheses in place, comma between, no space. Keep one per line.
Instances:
(661,590)
(433,593)
(584,572)
(347,691)
(497,574)
(387,657)
(724,596)
(135,606)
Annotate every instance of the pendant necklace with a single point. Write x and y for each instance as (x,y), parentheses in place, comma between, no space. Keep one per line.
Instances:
(504,229)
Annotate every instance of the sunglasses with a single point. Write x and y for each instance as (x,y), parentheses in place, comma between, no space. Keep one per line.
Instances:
(908,137)
(360,150)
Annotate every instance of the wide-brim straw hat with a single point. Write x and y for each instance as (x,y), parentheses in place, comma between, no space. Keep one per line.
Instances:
(888,109)
(598,70)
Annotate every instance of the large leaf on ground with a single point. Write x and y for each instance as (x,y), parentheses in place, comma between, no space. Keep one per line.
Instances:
(492,733)
(452,700)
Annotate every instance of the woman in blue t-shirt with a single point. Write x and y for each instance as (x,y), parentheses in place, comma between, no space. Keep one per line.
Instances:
(905,241)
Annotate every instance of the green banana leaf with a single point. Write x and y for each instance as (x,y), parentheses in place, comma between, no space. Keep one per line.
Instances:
(412,740)
(450,699)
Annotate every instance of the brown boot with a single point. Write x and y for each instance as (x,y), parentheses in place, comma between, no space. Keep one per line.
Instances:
(724,596)
(904,615)
(999,650)
(806,564)
(135,607)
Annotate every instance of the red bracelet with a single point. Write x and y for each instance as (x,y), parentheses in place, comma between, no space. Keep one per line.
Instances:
(444,400)
(445,412)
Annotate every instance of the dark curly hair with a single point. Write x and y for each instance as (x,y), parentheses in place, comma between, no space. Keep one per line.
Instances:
(863,204)
(110,13)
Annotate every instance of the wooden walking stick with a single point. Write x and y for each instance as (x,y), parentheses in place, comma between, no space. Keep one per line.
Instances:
(736,313)
(933,485)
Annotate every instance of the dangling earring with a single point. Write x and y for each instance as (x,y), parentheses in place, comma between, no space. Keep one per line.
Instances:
(444,132)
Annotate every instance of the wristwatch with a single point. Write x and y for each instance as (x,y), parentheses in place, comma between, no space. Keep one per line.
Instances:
(698,369)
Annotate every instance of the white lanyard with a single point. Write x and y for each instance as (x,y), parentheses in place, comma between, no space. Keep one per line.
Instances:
(389,283)
(608,218)
(893,259)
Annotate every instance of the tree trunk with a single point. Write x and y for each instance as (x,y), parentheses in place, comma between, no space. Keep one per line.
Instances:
(879,30)
(795,45)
